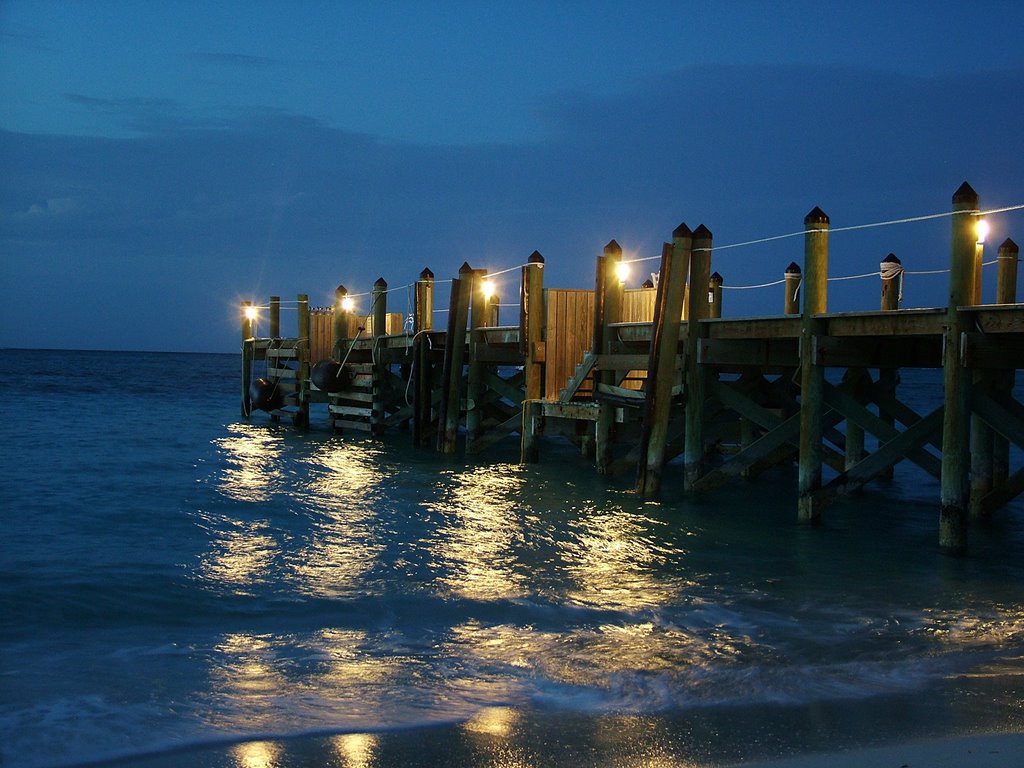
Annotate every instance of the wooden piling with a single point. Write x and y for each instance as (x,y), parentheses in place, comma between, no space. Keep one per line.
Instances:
(454,354)
(493,311)
(661,367)
(698,309)
(892,287)
(715,296)
(301,417)
(607,310)
(956,413)
(248,352)
(423,320)
(474,384)
(791,300)
(379,311)
(1006,293)
(532,324)
(812,376)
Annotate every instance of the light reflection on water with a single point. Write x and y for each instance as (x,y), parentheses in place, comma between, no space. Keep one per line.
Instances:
(253,468)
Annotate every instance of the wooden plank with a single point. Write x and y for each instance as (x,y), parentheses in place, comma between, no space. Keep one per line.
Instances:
(579,411)
(363,397)
(760,352)
(349,410)
(753,328)
(998,318)
(903,351)
(903,322)
(497,433)
(992,350)
(359,426)
(582,372)
(621,362)
(787,432)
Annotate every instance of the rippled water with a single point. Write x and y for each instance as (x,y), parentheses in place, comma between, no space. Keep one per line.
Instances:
(172,574)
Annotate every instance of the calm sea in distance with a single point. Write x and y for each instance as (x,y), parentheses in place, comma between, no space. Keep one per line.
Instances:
(172,575)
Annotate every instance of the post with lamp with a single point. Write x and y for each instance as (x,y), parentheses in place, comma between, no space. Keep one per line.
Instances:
(249,316)
(956,422)
(423,376)
(982,435)
(481,291)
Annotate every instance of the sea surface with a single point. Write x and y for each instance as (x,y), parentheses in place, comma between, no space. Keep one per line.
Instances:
(173,575)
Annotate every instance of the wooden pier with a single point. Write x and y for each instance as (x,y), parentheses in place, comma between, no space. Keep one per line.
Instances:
(641,378)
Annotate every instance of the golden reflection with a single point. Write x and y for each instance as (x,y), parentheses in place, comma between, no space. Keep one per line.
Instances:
(478,543)
(493,721)
(356,750)
(346,541)
(615,564)
(240,556)
(256,754)
(251,455)
(248,681)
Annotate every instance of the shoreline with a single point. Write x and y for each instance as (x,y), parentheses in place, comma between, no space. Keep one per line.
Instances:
(509,736)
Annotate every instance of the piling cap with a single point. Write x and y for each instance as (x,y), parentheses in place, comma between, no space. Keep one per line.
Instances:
(717,278)
(681,231)
(1009,246)
(426,274)
(891,259)
(965,194)
(465,268)
(612,249)
(793,269)
(340,291)
(648,283)
(535,258)
(702,233)
(816,216)
(380,283)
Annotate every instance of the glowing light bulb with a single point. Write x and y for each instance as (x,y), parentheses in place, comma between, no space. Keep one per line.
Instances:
(347,304)
(622,271)
(487,288)
(981,228)
(250,313)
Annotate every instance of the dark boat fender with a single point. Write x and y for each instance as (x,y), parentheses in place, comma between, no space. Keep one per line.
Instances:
(329,376)
(265,395)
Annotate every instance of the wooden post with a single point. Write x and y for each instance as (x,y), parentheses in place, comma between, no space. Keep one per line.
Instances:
(812,376)
(1006,276)
(661,367)
(301,417)
(474,376)
(791,300)
(379,313)
(423,319)
(956,413)
(531,324)
(700,268)
(715,296)
(528,451)
(892,286)
(607,310)
(1006,293)
(275,317)
(248,352)
(454,354)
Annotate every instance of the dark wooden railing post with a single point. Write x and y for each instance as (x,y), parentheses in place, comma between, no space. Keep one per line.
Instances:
(301,417)
(275,317)
(454,359)
(715,296)
(793,278)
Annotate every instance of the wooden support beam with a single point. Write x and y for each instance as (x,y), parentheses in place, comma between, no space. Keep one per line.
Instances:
(422,369)
(301,417)
(454,353)
(812,375)
(497,433)
(532,324)
(695,373)
(583,370)
(607,310)
(661,363)
(474,386)
(953,512)
(1003,493)
(1006,293)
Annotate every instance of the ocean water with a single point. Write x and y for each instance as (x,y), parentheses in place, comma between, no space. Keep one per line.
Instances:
(172,575)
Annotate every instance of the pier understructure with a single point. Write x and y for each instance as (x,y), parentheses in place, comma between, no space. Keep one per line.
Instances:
(642,378)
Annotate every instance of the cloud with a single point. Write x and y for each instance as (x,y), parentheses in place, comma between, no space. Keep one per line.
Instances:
(264,201)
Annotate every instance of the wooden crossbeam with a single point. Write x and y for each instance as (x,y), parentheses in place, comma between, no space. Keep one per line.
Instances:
(582,372)
(1002,414)
(886,456)
(1003,493)
(510,388)
(497,433)
(853,410)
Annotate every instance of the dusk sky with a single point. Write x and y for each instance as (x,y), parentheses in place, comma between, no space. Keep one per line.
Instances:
(162,162)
